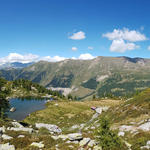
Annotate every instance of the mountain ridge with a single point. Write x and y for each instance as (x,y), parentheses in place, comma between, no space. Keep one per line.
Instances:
(119,76)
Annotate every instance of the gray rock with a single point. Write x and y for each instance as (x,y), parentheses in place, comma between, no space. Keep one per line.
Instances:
(39,145)
(85,141)
(17,124)
(121,133)
(75,136)
(7,146)
(92,143)
(52,128)
(97,147)
(21,136)
(71,146)
(2,129)
(99,110)
(127,128)
(30,130)
(75,142)
(147,146)
(6,137)
(145,126)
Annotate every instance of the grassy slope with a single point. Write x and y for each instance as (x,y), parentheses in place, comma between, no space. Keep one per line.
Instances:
(132,111)
(67,114)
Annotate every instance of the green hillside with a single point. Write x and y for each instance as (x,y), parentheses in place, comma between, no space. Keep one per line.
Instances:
(102,76)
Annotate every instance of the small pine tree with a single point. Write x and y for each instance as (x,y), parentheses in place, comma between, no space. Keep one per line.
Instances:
(107,138)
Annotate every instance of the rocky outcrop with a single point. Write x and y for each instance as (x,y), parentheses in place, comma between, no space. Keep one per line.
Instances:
(52,128)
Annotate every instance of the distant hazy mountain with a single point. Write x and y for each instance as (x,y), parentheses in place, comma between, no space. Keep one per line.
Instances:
(101,76)
(14,65)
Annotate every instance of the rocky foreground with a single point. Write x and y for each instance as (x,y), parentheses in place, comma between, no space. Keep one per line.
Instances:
(72,126)
(71,139)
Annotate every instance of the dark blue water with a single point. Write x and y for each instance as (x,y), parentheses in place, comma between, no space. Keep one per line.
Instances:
(24,107)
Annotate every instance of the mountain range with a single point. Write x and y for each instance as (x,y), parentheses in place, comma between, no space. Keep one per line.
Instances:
(101,76)
(15,65)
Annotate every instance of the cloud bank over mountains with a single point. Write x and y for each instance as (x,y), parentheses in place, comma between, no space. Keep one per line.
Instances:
(27,58)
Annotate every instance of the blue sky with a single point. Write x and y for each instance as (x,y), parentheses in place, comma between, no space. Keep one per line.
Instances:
(69,28)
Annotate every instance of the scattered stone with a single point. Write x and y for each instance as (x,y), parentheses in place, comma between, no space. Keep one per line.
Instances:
(75,142)
(17,124)
(127,128)
(75,127)
(2,129)
(68,142)
(75,136)
(56,104)
(52,128)
(30,130)
(147,146)
(71,146)
(12,109)
(97,147)
(63,137)
(128,145)
(21,136)
(7,146)
(55,137)
(99,110)
(85,141)
(92,143)
(6,137)
(121,133)
(145,126)
(39,145)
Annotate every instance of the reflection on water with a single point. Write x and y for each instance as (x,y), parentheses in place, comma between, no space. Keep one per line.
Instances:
(24,107)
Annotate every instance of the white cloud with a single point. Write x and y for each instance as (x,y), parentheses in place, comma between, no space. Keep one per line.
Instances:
(148,48)
(120,46)
(78,36)
(123,40)
(74,48)
(15,57)
(90,48)
(86,56)
(125,34)
(53,59)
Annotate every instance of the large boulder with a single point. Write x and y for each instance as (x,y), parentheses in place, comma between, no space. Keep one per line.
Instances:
(30,130)
(52,128)
(7,146)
